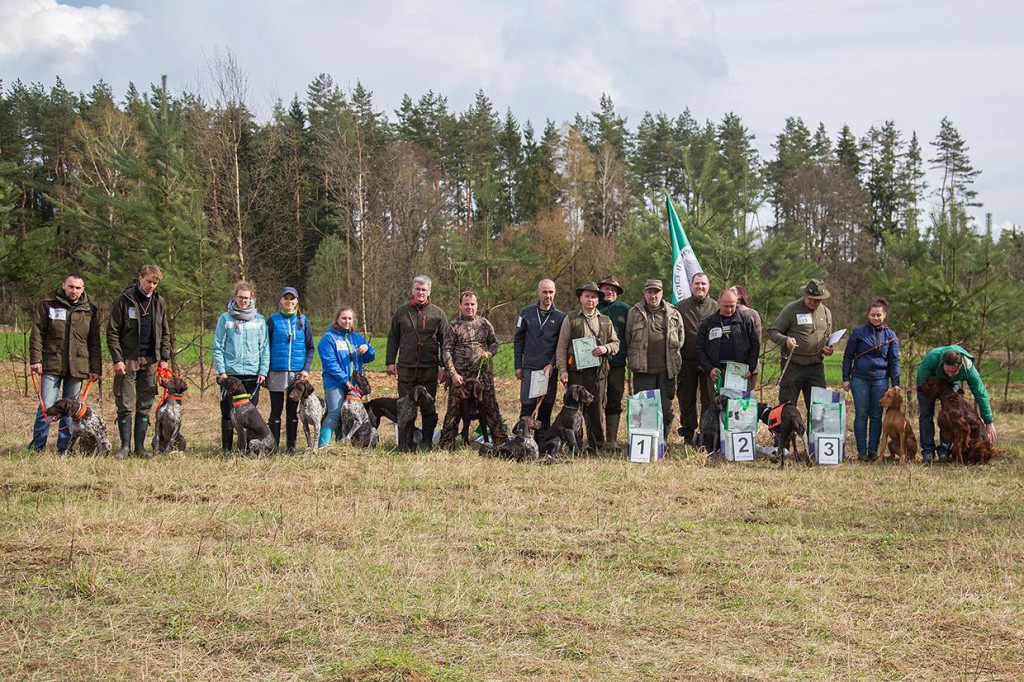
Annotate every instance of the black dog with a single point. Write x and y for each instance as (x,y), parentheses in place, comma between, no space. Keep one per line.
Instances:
(567,429)
(471,400)
(709,436)
(88,430)
(402,411)
(167,435)
(786,424)
(254,436)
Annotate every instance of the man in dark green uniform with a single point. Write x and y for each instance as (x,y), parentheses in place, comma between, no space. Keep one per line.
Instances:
(801,330)
(694,310)
(616,311)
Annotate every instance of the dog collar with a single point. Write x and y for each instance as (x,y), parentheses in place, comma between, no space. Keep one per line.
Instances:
(173,397)
(81,411)
(354,396)
(239,400)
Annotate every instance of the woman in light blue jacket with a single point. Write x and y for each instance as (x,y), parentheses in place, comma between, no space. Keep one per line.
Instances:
(342,351)
(240,349)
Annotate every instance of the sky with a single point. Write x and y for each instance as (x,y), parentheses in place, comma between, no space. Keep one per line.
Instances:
(836,62)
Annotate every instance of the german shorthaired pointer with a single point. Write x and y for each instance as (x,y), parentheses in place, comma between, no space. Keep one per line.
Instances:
(567,429)
(786,424)
(88,429)
(402,411)
(354,423)
(709,435)
(254,436)
(167,435)
(312,409)
(471,403)
(521,447)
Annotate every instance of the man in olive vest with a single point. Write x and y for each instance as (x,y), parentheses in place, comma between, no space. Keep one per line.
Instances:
(656,334)
(801,331)
(64,348)
(585,323)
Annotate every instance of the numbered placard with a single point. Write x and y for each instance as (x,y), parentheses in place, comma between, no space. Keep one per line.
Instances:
(829,449)
(742,446)
(641,447)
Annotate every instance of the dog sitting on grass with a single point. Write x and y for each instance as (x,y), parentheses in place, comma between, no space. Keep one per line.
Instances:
(254,436)
(88,430)
(897,432)
(167,434)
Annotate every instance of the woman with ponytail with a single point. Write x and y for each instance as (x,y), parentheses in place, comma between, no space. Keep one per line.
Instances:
(342,351)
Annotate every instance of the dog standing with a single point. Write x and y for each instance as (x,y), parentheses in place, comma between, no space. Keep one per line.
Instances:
(354,423)
(959,421)
(567,429)
(402,411)
(471,399)
(311,409)
(896,429)
(88,428)
(167,435)
(786,424)
(254,436)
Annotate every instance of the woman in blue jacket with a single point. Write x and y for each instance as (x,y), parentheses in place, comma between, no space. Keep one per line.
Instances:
(240,350)
(870,364)
(342,351)
(291,356)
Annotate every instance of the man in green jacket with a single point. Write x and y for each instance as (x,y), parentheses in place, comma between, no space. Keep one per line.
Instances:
(655,337)
(139,340)
(64,348)
(801,331)
(952,364)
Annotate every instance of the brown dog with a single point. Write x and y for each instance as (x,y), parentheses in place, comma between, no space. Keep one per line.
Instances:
(896,429)
(959,421)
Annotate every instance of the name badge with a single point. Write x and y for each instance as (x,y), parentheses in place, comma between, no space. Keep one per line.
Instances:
(519,321)
(132,313)
(340,345)
(58,314)
(715,333)
(804,318)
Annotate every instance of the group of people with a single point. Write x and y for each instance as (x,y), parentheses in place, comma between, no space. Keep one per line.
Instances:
(680,350)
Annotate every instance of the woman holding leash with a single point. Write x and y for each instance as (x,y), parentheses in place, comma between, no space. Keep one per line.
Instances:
(291,356)
(240,349)
(342,351)
(870,364)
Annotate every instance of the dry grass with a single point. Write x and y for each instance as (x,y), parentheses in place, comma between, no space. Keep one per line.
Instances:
(378,566)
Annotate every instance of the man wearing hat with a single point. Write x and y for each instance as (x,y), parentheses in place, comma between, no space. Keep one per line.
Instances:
(694,310)
(801,331)
(588,322)
(655,335)
(534,344)
(616,311)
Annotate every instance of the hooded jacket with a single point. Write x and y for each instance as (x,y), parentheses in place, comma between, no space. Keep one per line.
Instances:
(65,336)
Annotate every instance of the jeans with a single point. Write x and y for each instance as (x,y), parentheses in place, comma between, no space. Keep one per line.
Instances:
(926,426)
(50,384)
(335,398)
(866,394)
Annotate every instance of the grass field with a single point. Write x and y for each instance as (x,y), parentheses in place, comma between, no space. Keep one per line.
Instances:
(346,565)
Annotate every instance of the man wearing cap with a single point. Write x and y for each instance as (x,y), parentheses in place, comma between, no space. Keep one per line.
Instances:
(729,335)
(694,310)
(534,344)
(655,335)
(801,331)
(64,349)
(414,349)
(616,311)
(952,364)
(588,322)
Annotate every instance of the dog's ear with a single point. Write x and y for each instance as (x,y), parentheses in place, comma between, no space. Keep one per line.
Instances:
(307,389)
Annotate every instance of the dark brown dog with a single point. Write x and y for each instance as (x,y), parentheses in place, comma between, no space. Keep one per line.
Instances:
(958,420)
(567,428)
(709,436)
(522,447)
(897,432)
(254,436)
(471,399)
(167,435)
(88,430)
(786,424)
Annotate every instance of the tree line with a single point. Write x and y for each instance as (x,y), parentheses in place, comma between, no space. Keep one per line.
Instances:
(348,203)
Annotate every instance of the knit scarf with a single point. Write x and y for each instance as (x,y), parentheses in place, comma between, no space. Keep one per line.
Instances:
(242,315)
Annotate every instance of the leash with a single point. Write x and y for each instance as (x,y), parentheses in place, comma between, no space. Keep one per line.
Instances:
(165,373)
(88,385)
(785,367)
(39,394)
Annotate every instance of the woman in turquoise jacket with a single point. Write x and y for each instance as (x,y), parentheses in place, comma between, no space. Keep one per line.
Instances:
(342,351)
(240,349)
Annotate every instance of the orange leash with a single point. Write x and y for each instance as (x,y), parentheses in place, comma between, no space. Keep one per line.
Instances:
(163,373)
(39,394)
(88,385)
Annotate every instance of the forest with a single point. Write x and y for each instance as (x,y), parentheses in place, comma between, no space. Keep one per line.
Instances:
(347,202)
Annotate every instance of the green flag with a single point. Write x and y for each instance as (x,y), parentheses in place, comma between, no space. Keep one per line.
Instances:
(684,260)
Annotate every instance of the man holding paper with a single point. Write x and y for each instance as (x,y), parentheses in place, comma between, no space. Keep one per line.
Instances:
(585,342)
(729,335)
(655,333)
(534,354)
(802,332)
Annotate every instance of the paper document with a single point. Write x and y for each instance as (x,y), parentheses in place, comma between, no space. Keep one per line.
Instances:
(583,352)
(735,376)
(834,339)
(538,383)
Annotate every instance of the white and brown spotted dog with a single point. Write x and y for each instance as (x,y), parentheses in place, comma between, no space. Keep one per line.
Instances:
(167,434)
(312,409)
(88,430)
(354,425)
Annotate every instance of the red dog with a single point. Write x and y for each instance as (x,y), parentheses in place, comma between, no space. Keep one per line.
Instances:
(959,421)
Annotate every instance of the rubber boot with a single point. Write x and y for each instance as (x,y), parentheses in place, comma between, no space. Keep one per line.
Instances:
(429,426)
(326,437)
(291,433)
(124,430)
(612,435)
(275,431)
(227,433)
(141,426)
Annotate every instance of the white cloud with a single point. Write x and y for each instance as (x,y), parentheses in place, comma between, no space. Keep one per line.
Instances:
(33,31)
